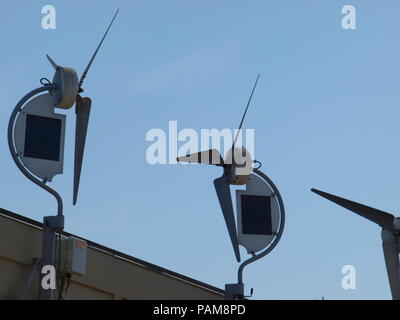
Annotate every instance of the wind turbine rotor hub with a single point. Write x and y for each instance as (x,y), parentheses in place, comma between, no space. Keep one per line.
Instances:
(241,165)
(66,80)
(387,235)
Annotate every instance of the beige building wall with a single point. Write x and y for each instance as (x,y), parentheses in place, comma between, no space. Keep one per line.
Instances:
(109,274)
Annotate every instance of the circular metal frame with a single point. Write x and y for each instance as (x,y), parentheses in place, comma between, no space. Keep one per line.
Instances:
(280,230)
(14,153)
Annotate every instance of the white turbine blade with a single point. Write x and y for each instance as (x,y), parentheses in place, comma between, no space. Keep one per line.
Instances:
(82,120)
(96,51)
(225,200)
(211,156)
(245,111)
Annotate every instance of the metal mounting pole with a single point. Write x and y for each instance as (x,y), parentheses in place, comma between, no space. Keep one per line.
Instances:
(51,224)
(236,290)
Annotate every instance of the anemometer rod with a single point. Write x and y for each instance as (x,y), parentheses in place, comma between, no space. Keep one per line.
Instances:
(95,53)
(278,235)
(14,153)
(245,111)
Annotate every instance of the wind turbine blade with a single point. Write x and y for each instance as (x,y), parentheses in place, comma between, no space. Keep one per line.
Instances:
(391,253)
(384,219)
(245,111)
(211,156)
(55,65)
(82,120)
(95,53)
(225,200)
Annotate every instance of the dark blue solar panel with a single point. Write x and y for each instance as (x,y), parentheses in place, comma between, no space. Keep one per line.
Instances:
(256,214)
(42,137)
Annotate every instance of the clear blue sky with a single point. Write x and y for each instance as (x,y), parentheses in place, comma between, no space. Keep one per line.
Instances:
(325,115)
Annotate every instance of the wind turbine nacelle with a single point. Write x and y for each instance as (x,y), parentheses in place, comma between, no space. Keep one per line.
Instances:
(241,168)
(66,80)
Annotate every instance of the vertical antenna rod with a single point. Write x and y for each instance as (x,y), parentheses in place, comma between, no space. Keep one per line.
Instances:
(244,115)
(95,53)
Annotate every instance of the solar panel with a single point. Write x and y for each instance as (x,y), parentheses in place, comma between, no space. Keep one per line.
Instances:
(256,214)
(42,137)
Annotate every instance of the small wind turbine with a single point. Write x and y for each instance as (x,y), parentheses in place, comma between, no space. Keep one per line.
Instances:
(260,210)
(229,177)
(390,235)
(68,80)
(36,141)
